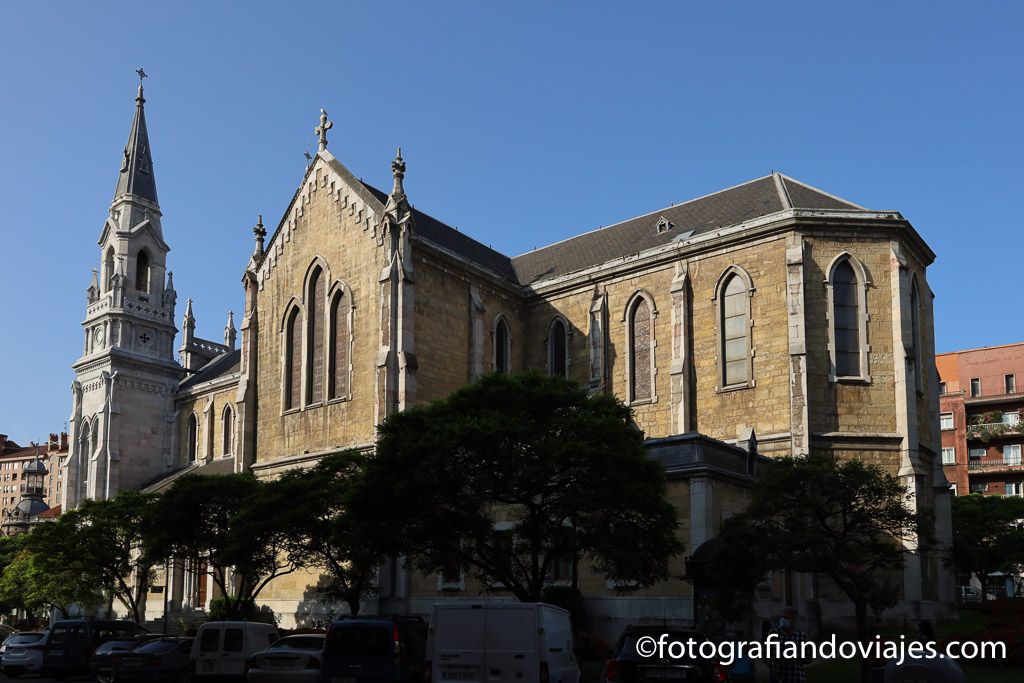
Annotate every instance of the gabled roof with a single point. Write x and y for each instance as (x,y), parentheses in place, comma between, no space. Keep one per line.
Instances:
(443,235)
(202,469)
(727,207)
(219,366)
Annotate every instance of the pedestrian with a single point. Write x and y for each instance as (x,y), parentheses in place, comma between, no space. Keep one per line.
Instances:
(788,669)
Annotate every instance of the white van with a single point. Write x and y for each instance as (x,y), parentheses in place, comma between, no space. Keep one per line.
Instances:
(500,642)
(222,648)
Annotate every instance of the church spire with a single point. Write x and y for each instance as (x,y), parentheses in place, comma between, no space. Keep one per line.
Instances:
(136,176)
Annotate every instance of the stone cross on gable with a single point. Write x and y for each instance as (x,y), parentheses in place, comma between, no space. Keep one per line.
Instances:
(322,129)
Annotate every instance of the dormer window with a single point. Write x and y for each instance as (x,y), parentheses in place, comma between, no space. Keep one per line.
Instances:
(664,225)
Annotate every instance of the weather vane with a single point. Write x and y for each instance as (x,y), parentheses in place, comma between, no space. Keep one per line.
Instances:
(142,74)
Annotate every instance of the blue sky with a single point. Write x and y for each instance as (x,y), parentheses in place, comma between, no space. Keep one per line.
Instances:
(522,123)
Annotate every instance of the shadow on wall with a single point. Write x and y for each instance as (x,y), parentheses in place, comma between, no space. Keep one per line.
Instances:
(318,609)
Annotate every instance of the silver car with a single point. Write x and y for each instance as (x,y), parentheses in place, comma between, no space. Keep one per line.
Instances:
(23,653)
(291,659)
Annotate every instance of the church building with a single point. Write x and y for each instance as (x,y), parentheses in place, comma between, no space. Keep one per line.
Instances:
(766,319)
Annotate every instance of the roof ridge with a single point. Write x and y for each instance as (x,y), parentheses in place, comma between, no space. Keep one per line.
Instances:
(644,215)
(821,191)
(787,201)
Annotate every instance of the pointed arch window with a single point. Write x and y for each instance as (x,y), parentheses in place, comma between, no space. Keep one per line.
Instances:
(142,272)
(847,300)
(228,431)
(558,348)
(85,441)
(315,303)
(340,344)
(108,270)
(640,333)
(734,345)
(502,345)
(293,360)
(192,437)
(915,331)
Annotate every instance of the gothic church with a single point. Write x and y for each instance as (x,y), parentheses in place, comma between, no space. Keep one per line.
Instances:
(766,319)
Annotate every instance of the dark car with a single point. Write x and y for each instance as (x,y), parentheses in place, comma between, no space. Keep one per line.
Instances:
(72,642)
(377,649)
(101,664)
(164,660)
(629,666)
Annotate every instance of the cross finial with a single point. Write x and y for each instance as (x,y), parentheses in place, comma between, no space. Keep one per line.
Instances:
(142,74)
(322,129)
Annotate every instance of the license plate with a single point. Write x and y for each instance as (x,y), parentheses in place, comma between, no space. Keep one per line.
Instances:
(449,675)
(665,672)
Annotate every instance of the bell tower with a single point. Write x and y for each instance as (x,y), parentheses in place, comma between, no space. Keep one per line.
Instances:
(122,398)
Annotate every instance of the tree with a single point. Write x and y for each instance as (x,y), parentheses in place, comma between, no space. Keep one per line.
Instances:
(227,524)
(846,520)
(47,572)
(328,535)
(988,535)
(514,473)
(109,537)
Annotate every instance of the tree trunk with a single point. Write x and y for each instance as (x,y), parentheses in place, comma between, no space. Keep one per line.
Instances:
(353,604)
(861,610)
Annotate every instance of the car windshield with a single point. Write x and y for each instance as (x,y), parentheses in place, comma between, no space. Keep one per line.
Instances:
(310,642)
(628,650)
(361,640)
(159,646)
(24,638)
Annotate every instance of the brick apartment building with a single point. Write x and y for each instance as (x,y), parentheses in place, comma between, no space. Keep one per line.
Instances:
(980,406)
(14,459)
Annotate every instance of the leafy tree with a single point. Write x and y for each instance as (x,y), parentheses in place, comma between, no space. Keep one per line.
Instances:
(565,470)
(108,537)
(47,572)
(988,535)
(326,533)
(228,524)
(845,520)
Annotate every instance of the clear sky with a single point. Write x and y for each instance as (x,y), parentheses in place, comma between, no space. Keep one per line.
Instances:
(522,123)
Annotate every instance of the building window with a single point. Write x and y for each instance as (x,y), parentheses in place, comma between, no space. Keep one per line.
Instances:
(228,431)
(108,270)
(946,421)
(979,487)
(502,345)
(558,348)
(315,303)
(948,456)
(192,437)
(976,453)
(293,360)
(340,345)
(915,331)
(848,321)
(942,389)
(142,271)
(1012,488)
(641,359)
(734,329)
(975,387)
(1010,383)
(1011,454)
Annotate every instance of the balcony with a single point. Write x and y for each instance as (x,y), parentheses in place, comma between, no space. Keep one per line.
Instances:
(1008,425)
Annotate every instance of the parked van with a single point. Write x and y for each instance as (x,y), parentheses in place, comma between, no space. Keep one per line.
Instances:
(374,649)
(501,642)
(71,643)
(222,649)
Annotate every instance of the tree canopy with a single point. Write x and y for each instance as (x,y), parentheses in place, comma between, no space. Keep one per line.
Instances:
(513,474)
(988,535)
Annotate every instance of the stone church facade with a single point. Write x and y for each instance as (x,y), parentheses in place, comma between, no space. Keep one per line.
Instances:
(767,319)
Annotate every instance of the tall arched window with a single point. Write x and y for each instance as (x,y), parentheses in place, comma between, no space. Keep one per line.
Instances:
(315,297)
(339,351)
(85,442)
(641,360)
(293,360)
(228,431)
(502,345)
(846,316)
(915,331)
(142,271)
(108,270)
(734,329)
(558,348)
(192,436)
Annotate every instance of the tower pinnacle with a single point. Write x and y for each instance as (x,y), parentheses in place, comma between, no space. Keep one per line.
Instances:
(136,177)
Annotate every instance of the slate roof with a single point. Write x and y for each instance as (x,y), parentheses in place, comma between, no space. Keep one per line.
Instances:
(214,467)
(451,239)
(720,209)
(224,364)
